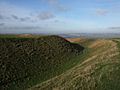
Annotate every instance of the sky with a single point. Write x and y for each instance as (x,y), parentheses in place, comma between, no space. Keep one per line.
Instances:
(59,16)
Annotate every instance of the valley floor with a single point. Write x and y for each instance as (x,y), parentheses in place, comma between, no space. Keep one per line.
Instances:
(99,69)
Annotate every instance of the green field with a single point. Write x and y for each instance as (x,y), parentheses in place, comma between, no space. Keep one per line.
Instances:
(53,63)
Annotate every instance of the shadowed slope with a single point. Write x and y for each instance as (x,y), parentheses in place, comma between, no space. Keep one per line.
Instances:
(23,60)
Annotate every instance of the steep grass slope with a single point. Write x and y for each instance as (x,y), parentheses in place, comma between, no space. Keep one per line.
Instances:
(26,61)
(100,69)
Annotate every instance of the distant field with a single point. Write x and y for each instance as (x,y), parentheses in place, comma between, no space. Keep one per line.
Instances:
(19,36)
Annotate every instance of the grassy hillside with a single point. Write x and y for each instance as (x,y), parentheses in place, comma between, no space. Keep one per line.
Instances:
(53,63)
(99,69)
(25,62)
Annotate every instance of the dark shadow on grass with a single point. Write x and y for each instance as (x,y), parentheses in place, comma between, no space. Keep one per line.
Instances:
(78,47)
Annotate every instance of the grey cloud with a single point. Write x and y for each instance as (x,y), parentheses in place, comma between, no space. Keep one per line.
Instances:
(22,19)
(102,11)
(115,28)
(62,8)
(45,15)
(14,17)
(56,21)
(57,5)
(25,19)
(2,24)
(52,1)
(1,17)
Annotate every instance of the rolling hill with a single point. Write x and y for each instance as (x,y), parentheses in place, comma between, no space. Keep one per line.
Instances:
(24,62)
(55,63)
(99,69)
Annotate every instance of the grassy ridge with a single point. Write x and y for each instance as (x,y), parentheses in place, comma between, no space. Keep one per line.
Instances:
(99,70)
(25,61)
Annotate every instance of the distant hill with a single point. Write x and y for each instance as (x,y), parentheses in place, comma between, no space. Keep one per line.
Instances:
(91,35)
(24,60)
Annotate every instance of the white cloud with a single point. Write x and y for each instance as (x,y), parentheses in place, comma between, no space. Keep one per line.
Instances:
(45,15)
(57,5)
(101,11)
(14,15)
